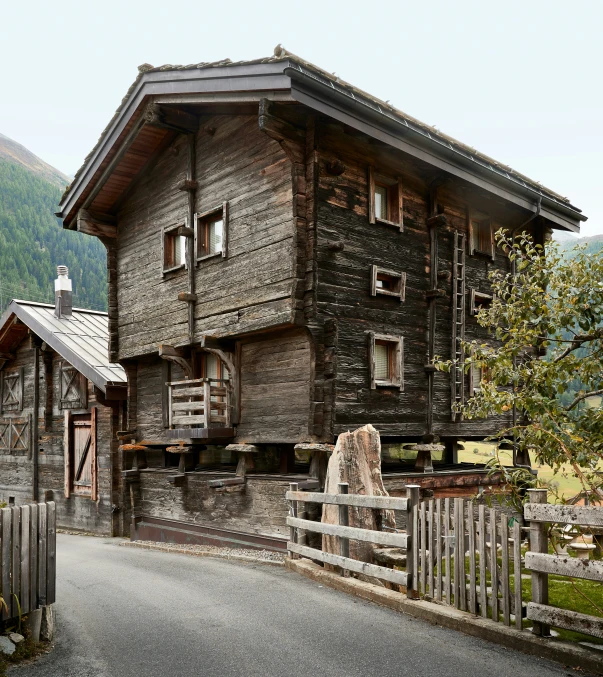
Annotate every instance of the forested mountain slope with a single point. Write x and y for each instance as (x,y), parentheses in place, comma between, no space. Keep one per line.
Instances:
(32,241)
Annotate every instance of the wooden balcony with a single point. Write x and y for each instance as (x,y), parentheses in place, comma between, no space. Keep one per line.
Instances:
(200,408)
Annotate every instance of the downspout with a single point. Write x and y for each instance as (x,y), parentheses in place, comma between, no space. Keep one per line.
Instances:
(513,273)
(35,424)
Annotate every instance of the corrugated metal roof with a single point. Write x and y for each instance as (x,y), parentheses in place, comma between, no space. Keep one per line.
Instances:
(82,339)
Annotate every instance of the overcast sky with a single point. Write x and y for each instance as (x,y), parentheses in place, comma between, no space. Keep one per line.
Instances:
(518,80)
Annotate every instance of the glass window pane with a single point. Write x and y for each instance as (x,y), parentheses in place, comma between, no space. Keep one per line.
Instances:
(211,366)
(179,250)
(381,202)
(215,236)
(382,362)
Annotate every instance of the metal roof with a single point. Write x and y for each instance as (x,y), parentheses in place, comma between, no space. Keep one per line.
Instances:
(82,339)
(150,79)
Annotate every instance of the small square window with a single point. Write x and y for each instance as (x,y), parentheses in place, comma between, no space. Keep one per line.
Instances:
(481,235)
(211,232)
(478,300)
(385,200)
(174,249)
(386,361)
(387,282)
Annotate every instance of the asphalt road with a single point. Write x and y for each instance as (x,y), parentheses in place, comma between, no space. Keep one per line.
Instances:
(124,612)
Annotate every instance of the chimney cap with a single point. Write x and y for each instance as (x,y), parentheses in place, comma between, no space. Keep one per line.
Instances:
(62,270)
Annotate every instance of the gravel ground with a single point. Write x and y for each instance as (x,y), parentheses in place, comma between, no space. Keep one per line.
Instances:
(242,554)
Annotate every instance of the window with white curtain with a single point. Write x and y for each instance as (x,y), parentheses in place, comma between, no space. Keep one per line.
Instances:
(211,230)
(386,361)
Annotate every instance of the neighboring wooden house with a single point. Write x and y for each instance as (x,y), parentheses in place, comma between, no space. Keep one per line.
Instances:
(294,252)
(61,402)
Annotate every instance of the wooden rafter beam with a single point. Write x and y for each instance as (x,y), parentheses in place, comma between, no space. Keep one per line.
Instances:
(168,117)
(97,225)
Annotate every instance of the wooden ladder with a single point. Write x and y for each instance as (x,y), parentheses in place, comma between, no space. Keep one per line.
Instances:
(457,375)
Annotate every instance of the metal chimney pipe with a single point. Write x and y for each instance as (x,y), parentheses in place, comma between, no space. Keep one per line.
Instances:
(63,293)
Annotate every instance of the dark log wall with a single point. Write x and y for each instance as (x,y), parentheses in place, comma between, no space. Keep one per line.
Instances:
(16,468)
(255,507)
(275,388)
(343,287)
(249,289)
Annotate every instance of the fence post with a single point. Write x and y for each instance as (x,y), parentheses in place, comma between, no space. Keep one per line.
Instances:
(412,495)
(539,543)
(293,486)
(344,520)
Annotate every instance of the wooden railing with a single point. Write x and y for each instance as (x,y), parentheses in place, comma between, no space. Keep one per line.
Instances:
(345,532)
(541,563)
(27,558)
(188,403)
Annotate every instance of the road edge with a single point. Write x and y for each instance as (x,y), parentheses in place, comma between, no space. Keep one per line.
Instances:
(570,655)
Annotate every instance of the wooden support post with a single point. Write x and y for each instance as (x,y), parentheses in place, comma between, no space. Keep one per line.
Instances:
(207,403)
(539,543)
(344,520)
(293,511)
(412,550)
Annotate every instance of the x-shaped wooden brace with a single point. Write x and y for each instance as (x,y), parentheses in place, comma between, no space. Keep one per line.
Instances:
(80,466)
(19,430)
(10,395)
(4,435)
(69,381)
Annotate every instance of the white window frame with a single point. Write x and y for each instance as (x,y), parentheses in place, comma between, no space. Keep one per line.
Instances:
(399,293)
(169,231)
(396,345)
(395,219)
(217,212)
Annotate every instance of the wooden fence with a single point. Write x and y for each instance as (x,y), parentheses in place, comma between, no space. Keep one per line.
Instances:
(541,563)
(345,532)
(456,556)
(27,558)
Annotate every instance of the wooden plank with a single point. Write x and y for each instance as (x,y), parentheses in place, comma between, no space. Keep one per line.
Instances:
(6,560)
(33,556)
(42,553)
(189,406)
(16,560)
(417,543)
(447,551)
(438,538)
(367,535)
(188,420)
(93,456)
(483,599)
(344,521)
(67,452)
(472,566)
(539,544)
(187,392)
(504,539)
(564,565)
(430,548)
(51,570)
(586,516)
(517,572)
(412,497)
(293,511)
(390,575)
(25,568)
(461,552)
(423,537)
(568,620)
(355,500)
(493,565)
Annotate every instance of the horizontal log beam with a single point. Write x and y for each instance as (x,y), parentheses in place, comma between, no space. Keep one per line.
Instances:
(366,535)
(564,565)
(586,516)
(568,620)
(171,118)
(96,225)
(390,575)
(379,502)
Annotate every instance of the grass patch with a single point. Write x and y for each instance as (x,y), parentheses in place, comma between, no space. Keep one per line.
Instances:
(27,650)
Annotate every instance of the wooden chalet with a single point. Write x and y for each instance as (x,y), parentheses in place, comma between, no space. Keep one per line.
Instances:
(61,403)
(286,255)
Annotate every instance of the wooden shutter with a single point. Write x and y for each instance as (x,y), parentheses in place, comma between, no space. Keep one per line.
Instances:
(471,238)
(74,388)
(21,388)
(67,452)
(371,360)
(371,194)
(93,461)
(396,204)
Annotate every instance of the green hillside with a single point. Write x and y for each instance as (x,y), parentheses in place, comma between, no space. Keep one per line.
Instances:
(32,241)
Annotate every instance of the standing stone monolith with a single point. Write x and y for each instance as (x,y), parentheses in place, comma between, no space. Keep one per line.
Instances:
(357,461)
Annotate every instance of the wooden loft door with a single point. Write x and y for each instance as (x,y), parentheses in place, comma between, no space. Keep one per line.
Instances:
(80,455)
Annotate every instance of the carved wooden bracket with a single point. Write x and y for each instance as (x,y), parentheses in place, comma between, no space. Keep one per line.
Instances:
(176,355)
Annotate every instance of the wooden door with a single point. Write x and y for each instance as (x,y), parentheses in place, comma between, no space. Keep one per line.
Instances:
(80,471)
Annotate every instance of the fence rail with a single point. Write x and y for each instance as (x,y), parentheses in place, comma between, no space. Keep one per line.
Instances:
(345,533)
(27,558)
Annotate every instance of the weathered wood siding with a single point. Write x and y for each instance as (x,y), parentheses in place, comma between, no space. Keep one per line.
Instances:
(275,388)
(250,288)
(343,287)
(16,468)
(256,507)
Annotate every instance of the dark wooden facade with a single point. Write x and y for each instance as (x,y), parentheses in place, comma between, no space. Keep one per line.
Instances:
(316,287)
(57,429)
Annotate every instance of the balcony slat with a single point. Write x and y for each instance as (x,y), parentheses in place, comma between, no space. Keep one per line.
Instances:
(188,406)
(188,420)
(187,392)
